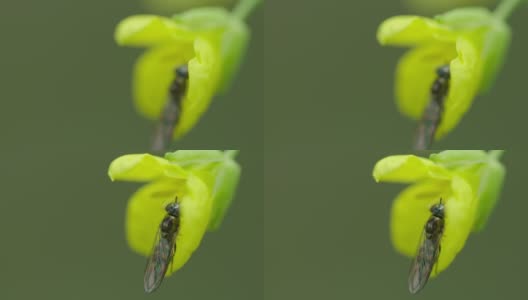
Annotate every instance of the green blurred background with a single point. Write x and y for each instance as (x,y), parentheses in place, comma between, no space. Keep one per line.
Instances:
(66,112)
(329,116)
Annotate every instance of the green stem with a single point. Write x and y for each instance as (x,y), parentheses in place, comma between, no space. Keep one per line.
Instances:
(506,8)
(244,8)
(231,153)
(496,154)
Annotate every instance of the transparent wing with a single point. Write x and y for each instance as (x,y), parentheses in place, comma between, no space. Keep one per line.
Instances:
(428,125)
(423,263)
(165,128)
(158,262)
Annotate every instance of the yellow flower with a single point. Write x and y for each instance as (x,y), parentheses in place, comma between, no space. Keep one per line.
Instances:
(146,207)
(203,181)
(468,182)
(471,41)
(210,41)
(220,172)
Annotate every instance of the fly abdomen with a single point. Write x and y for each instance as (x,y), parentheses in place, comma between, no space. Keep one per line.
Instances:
(432,115)
(172,111)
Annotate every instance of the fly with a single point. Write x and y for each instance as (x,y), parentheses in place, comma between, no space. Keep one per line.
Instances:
(172,111)
(432,115)
(164,248)
(429,249)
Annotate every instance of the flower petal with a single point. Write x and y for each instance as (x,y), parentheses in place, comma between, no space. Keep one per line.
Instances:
(204,71)
(410,212)
(151,30)
(146,210)
(459,158)
(143,167)
(234,46)
(496,42)
(234,32)
(413,30)
(460,211)
(466,71)
(203,19)
(227,176)
(155,71)
(407,168)
(189,158)
(491,180)
(218,170)
(415,74)
(153,74)
(465,18)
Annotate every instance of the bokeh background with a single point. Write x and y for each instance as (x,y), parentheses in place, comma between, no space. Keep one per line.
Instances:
(66,113)
(329,88)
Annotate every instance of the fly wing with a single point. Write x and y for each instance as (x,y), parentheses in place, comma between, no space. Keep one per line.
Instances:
(423,263)
(428,125)
(158,262)
(165,129)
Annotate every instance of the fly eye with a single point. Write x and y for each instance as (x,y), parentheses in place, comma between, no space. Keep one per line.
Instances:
(434,209)
(173,209)
(443,72)
(183,71)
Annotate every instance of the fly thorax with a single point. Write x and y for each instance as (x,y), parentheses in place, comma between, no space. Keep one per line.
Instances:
(167,224)
(178,87)
(434,226)
(440,87)
(436,88)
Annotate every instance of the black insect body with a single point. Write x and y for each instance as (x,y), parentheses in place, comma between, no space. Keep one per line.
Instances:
(164,248)
(429,249)
(172,111)
(432,115)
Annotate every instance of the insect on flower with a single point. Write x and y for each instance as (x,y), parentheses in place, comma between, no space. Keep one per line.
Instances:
(429,249)
(432,115)
(171,112)
(163,249)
